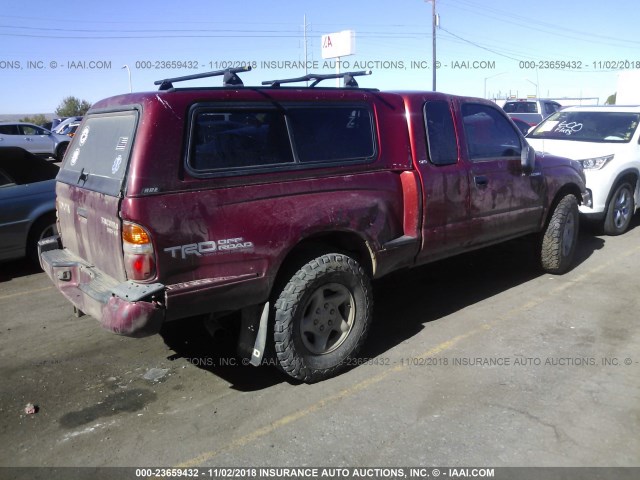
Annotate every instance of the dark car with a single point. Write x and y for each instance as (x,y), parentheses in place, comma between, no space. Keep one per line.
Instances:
(27,202)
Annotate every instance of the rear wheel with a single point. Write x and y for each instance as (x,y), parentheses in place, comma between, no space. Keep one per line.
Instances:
(620,210)
(322,317)
(560,237)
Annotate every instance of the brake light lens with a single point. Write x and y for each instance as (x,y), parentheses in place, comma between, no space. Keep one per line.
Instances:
(139,255)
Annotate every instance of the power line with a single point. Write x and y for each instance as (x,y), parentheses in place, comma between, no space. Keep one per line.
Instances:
(530,23)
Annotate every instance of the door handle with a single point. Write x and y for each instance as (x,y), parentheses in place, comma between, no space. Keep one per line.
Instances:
(481,181)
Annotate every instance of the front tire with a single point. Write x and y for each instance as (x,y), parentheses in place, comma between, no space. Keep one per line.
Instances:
(619,210)
(560,237)
(322,317)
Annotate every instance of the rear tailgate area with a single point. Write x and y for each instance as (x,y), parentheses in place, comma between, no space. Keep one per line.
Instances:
(90,228)
(90,188)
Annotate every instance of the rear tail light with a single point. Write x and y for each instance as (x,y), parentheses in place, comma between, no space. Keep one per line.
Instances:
(139,256)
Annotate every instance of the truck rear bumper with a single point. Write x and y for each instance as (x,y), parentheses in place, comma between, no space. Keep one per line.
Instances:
(125,308)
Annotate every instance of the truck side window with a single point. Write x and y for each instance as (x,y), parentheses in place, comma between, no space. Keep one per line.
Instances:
(248,138)
(441,135)
(236,139)
(332,134)
(489,134)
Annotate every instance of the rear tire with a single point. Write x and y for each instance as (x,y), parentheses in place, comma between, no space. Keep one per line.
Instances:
(619,210)
(560,238)
(322,317)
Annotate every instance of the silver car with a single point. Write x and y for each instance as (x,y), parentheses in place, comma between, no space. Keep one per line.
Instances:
(34,139)
(531,110)
(27,203)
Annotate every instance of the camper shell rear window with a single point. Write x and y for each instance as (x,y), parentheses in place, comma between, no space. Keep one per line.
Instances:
(98,156)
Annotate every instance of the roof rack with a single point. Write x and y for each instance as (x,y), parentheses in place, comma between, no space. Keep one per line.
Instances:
(230,78)
(349,81)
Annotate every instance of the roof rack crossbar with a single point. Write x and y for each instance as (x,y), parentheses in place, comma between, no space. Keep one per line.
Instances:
(230,78)
(349,80)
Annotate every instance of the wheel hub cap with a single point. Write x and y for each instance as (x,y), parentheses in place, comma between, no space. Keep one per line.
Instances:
(328,318)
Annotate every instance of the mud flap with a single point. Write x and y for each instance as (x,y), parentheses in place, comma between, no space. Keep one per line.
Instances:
(253,333)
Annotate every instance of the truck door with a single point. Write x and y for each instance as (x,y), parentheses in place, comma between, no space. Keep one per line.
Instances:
(505,202)
(444,177)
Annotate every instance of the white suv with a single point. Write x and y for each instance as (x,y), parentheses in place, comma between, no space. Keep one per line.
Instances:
(34,139)
(606,140)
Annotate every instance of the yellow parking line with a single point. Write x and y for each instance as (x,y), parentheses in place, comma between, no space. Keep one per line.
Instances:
(347,392)
(447,345)
(28,292)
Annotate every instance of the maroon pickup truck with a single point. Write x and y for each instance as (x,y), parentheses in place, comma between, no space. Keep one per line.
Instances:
(283,202)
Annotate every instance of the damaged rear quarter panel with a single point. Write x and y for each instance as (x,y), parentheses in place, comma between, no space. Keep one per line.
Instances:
(242,235)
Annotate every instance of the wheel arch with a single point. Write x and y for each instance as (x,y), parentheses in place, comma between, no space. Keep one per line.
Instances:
(348,243)
(38,218)
(568,189)
(631,175)
(59,147)
(31,241)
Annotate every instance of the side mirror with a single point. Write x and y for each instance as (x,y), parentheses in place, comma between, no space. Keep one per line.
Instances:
(528,159)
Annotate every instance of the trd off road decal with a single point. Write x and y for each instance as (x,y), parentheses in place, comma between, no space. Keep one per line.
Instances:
(208,247)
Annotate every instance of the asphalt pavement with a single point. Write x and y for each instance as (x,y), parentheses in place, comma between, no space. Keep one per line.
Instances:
(481,360)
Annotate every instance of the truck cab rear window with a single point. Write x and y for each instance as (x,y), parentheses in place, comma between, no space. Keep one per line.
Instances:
(98,156)
(233,139)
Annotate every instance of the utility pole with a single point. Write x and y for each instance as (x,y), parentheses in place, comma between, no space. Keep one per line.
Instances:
(434,24)
(434,21)
(304,20)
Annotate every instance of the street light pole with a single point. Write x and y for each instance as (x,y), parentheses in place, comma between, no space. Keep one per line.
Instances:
(487,78)
(536,85)
(129,72)
(434,22)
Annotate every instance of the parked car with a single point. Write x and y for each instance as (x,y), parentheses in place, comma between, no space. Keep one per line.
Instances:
(283,203)
(34,139)
(523,126)
(70,129)
(55,122)
(606,140)
(64,123)
(27,202)
(531,110)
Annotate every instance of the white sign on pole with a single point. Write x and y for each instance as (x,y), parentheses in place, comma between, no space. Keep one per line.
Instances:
(339,44)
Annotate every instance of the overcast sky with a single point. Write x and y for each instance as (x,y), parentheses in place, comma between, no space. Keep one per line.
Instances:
(557,49)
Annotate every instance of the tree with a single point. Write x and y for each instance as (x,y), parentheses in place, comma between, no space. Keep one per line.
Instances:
(38,119)
(611,100)
(72,107)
